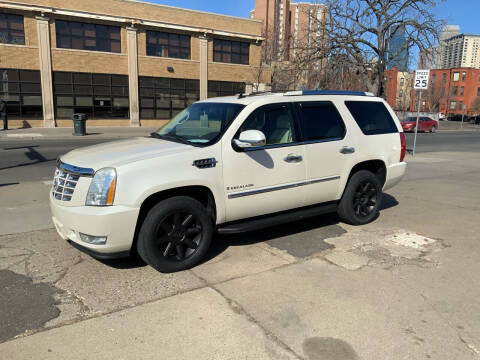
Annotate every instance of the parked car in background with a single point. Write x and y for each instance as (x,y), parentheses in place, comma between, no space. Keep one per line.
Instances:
(475,120)
(441,116)
(456,117)
(425,124)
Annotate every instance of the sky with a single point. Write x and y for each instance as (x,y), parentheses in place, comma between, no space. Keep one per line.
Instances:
(455,12)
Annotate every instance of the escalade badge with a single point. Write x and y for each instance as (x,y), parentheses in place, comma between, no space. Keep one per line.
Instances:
(239,187)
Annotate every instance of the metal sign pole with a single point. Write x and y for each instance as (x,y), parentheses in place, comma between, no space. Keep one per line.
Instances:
(418,118)
(463,113)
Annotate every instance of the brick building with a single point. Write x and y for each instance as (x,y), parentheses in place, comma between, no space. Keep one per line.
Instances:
(398,89)
(449,91)
(122,62)
(290,27)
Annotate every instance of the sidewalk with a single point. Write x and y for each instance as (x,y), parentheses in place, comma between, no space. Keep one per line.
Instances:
(457,126)
(66,133)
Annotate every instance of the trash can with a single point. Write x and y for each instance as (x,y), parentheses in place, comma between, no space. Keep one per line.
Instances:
(79,124)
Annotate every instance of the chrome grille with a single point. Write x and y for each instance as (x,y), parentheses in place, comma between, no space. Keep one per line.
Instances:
(64,185)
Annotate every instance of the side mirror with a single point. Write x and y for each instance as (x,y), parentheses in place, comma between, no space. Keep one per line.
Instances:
(250,138)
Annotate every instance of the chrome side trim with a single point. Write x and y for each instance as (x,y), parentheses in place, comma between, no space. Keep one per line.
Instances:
(281,187)
(75,170)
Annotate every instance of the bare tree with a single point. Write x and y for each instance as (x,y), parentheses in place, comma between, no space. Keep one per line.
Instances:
(476,106)
(435,96)
(362,30)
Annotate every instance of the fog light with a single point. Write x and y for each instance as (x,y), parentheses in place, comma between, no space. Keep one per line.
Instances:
(93,240)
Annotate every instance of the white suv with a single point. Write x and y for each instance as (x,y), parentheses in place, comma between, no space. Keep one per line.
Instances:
(230,165)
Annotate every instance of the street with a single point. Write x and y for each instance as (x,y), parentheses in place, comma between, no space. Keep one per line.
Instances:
(403,287)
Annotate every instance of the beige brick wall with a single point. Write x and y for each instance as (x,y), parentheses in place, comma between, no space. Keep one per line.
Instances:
(131,9)
(19,57)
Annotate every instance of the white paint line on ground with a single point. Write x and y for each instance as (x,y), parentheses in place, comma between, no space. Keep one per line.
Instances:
(49,182)
(24,135)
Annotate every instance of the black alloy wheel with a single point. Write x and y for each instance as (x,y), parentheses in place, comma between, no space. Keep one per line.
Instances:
(178,235)
(175,234)
(365,198)
(361,200)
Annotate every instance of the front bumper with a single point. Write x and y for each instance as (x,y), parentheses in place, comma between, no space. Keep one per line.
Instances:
(117,223)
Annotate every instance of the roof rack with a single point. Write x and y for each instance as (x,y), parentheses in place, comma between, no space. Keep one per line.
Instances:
(257,93)
(327,92)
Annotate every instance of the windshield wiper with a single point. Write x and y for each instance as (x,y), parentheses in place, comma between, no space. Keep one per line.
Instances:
(173,138)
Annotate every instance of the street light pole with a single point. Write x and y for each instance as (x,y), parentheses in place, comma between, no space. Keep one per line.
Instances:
(418,118)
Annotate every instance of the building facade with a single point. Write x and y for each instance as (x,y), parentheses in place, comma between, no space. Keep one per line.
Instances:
(292,28)
(398,89)
(461,51)
(451,92)
(122,63)
(397,52)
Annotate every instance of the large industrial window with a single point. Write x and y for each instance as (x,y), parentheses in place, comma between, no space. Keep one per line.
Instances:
(163,98)
(100,96)
(234,52)
(168,45)
(84,36)
(225,88)
(11,29)
(22,92)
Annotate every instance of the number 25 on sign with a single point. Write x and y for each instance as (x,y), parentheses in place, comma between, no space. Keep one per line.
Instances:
(421,79)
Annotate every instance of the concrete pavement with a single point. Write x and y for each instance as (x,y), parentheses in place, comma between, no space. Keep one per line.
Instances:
(403,287)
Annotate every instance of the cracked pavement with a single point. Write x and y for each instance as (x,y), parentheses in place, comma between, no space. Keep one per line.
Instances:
(403,287)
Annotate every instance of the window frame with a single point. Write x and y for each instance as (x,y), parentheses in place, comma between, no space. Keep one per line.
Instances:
(22,92)
(157,35)
(222,52)
(271,107)
(84,38)
(84,86)
(9,30)
(298,105)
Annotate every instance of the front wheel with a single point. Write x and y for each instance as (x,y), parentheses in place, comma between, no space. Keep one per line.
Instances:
(361,200)
(175,235)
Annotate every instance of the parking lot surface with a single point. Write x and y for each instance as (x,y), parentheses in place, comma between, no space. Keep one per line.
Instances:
(403,287)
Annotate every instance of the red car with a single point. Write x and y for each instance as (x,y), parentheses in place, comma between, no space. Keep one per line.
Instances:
(424,124)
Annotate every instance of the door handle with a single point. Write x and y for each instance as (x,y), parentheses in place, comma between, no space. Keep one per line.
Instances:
(347,150)
(293,158)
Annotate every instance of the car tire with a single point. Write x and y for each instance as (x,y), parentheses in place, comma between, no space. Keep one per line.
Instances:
(175,235)
(361,200)
(433,129)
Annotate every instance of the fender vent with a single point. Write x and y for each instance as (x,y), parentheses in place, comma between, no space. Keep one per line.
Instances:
(205,163)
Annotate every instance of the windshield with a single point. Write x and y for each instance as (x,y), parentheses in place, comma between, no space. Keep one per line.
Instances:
(200,124)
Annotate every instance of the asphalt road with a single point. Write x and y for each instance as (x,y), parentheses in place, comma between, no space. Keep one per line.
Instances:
(34,160)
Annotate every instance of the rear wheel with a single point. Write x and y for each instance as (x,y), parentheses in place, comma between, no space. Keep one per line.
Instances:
(175,235)
(361,200)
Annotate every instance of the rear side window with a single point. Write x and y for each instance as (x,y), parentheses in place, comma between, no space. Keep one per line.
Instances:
(321,121)
(372,117)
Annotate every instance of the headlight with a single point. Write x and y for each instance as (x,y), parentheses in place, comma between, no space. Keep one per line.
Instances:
(102,188)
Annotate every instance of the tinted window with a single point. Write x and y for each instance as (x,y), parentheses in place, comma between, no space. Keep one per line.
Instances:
(100,96)
(372,117)
(321,121)
(225,88)
(163,98)
(84,36)
(234,52)
(21,91)
(11,29)
(276,123)
(168,45)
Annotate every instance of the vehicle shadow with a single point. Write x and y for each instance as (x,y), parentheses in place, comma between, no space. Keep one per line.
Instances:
(222,242)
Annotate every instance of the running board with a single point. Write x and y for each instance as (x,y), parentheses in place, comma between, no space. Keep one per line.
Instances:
(265,221)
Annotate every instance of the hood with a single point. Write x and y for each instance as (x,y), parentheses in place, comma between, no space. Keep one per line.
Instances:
(121,152)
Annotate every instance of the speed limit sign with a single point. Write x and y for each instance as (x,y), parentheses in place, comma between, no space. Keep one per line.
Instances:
(421,79)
